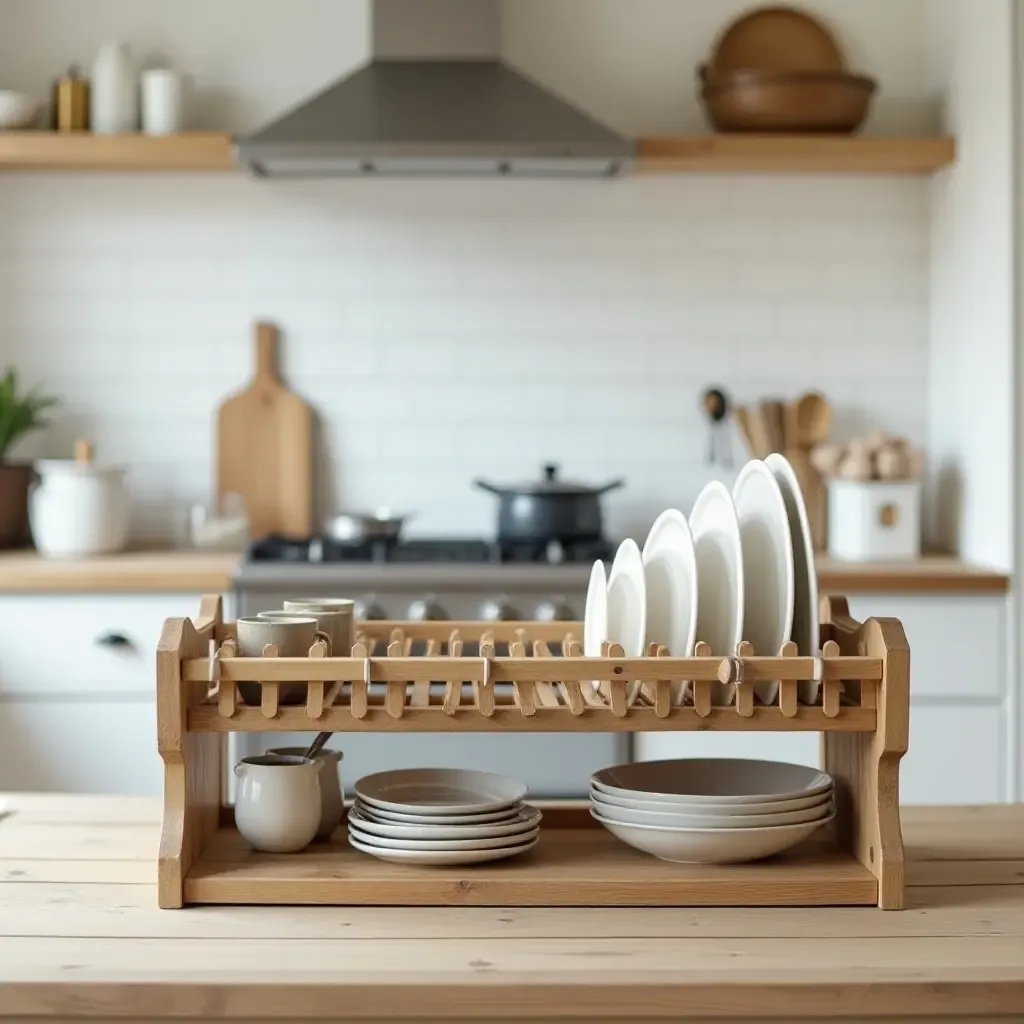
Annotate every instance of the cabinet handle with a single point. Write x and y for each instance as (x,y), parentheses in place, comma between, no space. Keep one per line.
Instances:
(113,640)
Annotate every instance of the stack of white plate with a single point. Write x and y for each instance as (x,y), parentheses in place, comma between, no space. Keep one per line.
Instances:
(711,810)
(441,816)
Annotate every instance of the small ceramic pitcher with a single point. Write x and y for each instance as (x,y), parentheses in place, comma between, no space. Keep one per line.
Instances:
(292,636)
(331,792)
(335,615)
(277,807)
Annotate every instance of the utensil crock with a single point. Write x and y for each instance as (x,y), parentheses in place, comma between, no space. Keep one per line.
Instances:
(278,804)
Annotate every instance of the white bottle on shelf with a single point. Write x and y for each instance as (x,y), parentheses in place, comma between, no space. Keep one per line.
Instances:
(114,103)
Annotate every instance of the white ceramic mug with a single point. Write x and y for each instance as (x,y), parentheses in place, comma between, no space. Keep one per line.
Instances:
(335,615)
(277,806)
(332,801)
(163,101)
(293,636)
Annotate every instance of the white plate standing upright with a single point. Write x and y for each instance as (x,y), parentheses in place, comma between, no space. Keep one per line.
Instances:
(767,565)
(627,606)
(805,574)
(670,571)
(595,615)
(716,543)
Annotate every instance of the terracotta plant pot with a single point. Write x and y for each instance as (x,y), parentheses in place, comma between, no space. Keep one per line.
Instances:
(15,478)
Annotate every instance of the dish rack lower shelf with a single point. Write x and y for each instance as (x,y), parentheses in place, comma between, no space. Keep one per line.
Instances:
(577,863)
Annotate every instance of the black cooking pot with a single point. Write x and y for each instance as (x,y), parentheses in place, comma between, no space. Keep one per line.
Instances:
(549,509)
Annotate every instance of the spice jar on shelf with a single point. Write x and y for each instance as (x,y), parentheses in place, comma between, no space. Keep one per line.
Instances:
(71,103)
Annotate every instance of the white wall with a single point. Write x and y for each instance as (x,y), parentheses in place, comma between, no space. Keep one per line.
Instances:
(447,329)
(971,418)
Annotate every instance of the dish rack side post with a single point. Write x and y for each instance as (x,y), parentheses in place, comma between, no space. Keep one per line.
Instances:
(192,761)
(865,766)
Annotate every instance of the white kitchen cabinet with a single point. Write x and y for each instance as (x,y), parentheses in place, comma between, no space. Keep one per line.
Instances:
(80,746)
(77,691)
(957,755)
(960,729)
(958,642)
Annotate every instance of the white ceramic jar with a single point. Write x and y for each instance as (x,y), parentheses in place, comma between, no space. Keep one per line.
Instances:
(77,508)
(277,805)
(874,520)
(162,92)
(113,94)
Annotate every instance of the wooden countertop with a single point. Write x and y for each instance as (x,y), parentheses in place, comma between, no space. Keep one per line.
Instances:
(81,935)
(195,572)
(155,572)
(930,574)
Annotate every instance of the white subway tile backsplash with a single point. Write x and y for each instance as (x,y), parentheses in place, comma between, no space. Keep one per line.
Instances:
(448,329)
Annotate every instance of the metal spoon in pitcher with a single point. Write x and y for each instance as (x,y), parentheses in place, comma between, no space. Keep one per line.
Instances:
(318,744)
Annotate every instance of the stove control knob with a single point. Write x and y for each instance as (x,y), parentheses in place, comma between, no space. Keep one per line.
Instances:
(555,610)
(368,608)
(427,609)
(498,609)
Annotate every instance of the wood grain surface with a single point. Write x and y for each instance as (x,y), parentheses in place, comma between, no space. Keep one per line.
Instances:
(81,937)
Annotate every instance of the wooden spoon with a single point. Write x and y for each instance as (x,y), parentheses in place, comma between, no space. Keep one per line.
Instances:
(808,422)
(813,420)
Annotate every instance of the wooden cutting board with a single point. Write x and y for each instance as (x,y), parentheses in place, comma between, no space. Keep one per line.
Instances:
(265,448)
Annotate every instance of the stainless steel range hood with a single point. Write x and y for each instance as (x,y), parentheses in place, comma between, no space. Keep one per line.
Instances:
(435,100)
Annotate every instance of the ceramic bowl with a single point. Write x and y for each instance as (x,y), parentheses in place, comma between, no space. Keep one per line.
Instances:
(502,817)
(526,821)
(430,791)
(440,858)
(495,843)
(673,819)
(16,110)
(712,845)
(714,809)
(721,780)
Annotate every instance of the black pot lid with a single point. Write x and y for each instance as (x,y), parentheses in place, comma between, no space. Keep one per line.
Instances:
(552,484)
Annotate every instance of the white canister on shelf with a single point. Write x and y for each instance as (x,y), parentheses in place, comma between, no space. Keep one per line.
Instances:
(163,101)
(77,508)
(113,95)
(874,520)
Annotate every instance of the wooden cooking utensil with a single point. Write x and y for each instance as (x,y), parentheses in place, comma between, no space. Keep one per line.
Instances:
(264,448)
(773,414)
(776,39)
(743,420)
(813,419)
(807,422)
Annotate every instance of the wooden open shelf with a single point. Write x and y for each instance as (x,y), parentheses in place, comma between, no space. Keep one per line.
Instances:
(706,154)
(72,151)
(794,154)
(532,677)
(577,863)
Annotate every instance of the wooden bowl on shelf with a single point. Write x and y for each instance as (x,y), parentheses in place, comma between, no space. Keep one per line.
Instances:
(751,101)
(775,39)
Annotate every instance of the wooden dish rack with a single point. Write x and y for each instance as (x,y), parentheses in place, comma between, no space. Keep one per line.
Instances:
(543,684)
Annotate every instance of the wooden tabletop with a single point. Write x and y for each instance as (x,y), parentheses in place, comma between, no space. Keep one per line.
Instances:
(197,572)
(81,935)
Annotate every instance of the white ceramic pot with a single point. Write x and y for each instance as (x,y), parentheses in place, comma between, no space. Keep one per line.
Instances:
(77,508)
(277,806)
(332,802)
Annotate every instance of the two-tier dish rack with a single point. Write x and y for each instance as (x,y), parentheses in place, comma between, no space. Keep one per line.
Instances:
(532,677)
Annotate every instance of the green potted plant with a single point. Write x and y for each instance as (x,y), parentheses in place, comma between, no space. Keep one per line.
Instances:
(20,413)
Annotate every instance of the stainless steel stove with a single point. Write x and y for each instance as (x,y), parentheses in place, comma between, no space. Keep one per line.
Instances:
(439,579)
